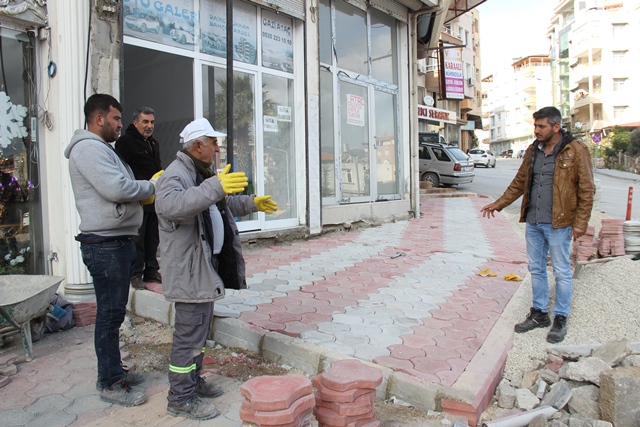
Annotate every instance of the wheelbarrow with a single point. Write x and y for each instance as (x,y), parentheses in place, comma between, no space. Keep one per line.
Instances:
(24,298)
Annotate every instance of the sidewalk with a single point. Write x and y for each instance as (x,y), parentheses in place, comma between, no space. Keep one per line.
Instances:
(403,296)
(618,174)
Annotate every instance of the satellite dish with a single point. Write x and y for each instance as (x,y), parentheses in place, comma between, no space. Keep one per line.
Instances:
(428,101)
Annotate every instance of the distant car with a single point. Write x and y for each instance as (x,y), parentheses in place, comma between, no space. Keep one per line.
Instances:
(507,154)
(142,24)
(431,138)
(446,165)
(181,36)
(482,157)
(520,154)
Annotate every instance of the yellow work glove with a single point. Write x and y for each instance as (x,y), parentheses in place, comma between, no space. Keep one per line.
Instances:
(155,177)
(148,200)
(234,182)
(265,204)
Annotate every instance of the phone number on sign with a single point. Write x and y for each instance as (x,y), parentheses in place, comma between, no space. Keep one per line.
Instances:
(275,38)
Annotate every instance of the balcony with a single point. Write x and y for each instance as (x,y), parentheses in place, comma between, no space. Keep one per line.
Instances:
(588,36)
(583,98)
(581,73)
(467,105)
(530,100)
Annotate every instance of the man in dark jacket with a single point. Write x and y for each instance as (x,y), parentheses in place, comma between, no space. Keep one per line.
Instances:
(140,150)
(555,181)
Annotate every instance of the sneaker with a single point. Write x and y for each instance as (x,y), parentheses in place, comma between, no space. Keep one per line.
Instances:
(535,319)
(153,277)
(121,393)
(137,282)
(558,330)
(193,408)
(134,378)
(205,389)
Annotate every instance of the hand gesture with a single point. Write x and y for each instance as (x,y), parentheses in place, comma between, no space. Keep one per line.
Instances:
(489,210)
(265,204)
(234,182)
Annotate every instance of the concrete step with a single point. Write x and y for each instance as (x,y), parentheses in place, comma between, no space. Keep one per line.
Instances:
(446,195)
(437,190)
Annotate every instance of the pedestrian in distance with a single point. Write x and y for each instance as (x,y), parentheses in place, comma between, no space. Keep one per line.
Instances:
(109,201)
(141,151)
(201,254)
(555,181)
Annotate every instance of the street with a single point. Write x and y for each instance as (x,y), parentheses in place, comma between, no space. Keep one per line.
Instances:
(611,191)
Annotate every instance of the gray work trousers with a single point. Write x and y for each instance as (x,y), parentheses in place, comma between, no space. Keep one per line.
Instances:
(193,326)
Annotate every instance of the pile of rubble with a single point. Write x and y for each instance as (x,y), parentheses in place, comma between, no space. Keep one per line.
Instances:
(579,386)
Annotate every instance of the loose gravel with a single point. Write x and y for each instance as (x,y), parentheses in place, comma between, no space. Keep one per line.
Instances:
(604,307)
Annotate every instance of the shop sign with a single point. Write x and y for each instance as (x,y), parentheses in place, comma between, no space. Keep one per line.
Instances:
(453,76)
(436,114)
(213,29)
(170,22)
(277,41)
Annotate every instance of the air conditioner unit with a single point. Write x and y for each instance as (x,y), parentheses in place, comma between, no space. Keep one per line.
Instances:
(422,68)
(471,81)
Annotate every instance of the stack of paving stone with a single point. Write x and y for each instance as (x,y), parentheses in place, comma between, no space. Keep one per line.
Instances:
(611,238)
(631,237)
(84,313)
(585,247)
(277,401)
(345,395)
(7,368)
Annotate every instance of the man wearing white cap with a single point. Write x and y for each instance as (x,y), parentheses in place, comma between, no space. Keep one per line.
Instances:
(201,254)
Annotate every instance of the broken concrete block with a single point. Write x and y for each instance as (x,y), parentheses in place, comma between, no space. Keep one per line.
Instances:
(555,362)
(549,376)
(525,399)
(612,352)
(516,380)
(585,401)
(529,379)
(557,423)
(558,396)
(9,370)
(600,423)
(541,389)
(587,369)
(578,421)
(539,421)
(631,360)
(506,395)
(572,351)
(619,391)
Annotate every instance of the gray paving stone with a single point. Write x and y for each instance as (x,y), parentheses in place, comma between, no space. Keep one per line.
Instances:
(47,403)
(369,352)
(349,338)
(81,389)
(89,403)
(52,418)
(15,417)
(396,330)
(388,312)
(347,319)
(315,337)
(384,340)
(406,321)
(331,328)
(359,311)
(366,328)
(341,348)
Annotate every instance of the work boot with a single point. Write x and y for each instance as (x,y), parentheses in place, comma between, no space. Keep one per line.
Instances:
(134,378)
(193,408)
(121,393)
(137,282)
(558,330)
(153,277)
(205,389)
(535,319)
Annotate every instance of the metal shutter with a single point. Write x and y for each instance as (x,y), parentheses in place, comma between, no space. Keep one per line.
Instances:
(295,8)
(391,8)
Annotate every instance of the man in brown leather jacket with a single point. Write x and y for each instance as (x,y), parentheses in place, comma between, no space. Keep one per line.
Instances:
(555,181)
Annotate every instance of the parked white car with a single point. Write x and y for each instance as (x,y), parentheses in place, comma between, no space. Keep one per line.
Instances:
(142,23)
(182,36)
(482,157)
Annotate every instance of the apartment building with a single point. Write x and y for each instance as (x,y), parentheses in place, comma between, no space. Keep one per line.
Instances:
(595,63)
(452,105)
(513,94)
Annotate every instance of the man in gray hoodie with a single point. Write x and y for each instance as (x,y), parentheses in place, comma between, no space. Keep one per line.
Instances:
(109,200)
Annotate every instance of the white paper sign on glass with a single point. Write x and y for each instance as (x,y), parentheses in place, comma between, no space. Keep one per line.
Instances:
(355,110)
(277,41)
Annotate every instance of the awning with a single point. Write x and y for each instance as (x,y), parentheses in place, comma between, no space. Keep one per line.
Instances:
(476,119)
(459,7)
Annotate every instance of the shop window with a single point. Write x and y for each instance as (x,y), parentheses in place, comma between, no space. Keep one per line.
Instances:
(327,140)
(213,30)
(21,248)
(383,40)
(150,80)
(325,39)
(277,41)
(171,22)
(351,38)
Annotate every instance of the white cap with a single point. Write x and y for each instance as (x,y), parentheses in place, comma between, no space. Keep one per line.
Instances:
(198,128)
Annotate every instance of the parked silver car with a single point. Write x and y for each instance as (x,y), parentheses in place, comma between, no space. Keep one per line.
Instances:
(482,157)
(446,165)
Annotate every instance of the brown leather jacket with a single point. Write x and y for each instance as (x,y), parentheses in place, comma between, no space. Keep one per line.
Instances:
(573,186)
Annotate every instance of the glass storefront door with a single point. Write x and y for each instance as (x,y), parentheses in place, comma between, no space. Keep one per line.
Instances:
(21,247)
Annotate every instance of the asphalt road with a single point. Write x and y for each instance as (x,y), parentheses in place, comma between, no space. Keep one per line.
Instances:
(611,192)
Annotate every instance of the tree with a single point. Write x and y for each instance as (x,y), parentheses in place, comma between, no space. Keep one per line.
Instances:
(634,142)
(619,139)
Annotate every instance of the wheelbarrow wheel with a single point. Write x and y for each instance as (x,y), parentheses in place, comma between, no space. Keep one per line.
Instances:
(37,328)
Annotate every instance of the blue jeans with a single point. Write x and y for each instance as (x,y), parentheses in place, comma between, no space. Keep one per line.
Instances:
(543,239)
(110,265)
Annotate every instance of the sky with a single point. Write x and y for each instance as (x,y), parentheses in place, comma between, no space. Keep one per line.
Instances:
(512,29)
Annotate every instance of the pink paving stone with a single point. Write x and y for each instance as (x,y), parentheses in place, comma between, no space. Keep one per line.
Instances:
(426,331)
(472,315)
(318,317)
(416,341)
(555,362)
(362,405)
(253,316)
(394,363)
(294,329)
(327,417)
(269,308)
(459,300)
(467,353)
(448,343)
(429,366)
(326,394)
(285,301)
(292,416)
(431,323)
(312,302)
(464,324)
(269,325)
(400,351)
(447,378)
(457,334)
(9,370)
(300,309)
(458,365)
(284,317)
(273,393)
(326,310)
(439,353)
(327,295)
(444,314)
(341,303)
(7,359)
(347,374)
(299,294)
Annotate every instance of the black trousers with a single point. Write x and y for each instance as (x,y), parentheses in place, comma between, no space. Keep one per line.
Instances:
(147,246)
